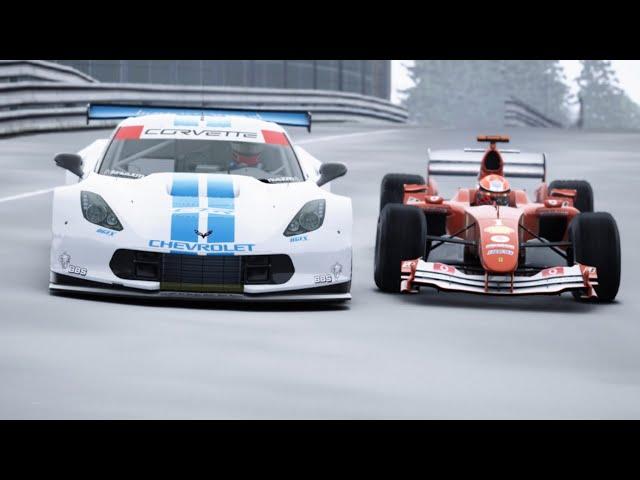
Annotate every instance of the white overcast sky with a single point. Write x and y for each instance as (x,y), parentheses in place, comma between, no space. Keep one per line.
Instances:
(628,73)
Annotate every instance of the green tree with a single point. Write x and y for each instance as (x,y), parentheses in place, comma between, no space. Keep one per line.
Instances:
(472,92)
(604,104)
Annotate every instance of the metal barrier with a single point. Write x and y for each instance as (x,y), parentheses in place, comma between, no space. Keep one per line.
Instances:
(21,70)
(519,114)
(32,106)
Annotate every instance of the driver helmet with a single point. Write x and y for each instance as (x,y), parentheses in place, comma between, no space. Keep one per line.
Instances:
(493,190)
(245,154)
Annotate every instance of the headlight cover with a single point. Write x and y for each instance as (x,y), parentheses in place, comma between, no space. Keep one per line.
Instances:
(308,219)
(96,211)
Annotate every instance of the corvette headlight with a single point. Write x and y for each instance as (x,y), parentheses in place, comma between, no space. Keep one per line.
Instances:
(308,219)
(96,210)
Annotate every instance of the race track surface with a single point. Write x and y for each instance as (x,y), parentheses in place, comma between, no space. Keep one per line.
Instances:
(432,355)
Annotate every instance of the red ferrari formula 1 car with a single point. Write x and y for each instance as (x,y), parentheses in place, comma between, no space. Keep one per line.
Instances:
(496,228)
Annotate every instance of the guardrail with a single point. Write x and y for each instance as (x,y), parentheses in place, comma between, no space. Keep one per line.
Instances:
(21,70)
(519,114)
(44,106)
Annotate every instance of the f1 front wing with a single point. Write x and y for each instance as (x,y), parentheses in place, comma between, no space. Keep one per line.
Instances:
(550,281)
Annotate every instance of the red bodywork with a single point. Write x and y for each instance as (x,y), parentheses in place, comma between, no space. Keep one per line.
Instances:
(497,230)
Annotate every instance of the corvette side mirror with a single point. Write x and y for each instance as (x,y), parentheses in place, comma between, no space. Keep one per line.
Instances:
(71,162)
(331,171)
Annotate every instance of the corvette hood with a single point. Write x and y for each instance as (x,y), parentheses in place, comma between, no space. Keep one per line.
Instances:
(226,213)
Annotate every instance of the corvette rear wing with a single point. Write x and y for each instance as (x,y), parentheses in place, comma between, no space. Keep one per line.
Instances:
(98,111)
(467,162)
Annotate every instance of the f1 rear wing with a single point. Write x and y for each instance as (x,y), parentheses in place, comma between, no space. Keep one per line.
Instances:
(97,111)
(467,162)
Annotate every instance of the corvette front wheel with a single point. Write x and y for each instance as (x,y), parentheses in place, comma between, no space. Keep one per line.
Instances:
(400,236)
(596,242)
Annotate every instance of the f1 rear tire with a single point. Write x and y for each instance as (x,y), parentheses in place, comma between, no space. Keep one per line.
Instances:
(392,187)
(596,242)
(400,236)
(584,193)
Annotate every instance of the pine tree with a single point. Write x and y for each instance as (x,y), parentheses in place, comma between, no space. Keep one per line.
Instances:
(472,93)
(604,103)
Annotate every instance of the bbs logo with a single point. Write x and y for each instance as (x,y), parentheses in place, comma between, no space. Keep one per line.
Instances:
(77,270)
(323,278)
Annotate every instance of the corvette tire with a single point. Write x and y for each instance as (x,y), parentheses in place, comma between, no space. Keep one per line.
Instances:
(400,236)
(596,242)
(392,187)
(584,192)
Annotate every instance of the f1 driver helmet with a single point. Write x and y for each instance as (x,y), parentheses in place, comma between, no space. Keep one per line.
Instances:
(246,154)
(493,190)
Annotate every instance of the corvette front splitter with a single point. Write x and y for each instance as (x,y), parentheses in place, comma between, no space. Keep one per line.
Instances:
(550,281)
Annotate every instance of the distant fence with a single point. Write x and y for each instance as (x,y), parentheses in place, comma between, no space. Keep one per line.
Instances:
(57,99)
(519,114)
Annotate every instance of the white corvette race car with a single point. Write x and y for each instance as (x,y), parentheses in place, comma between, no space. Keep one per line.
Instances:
(200,203)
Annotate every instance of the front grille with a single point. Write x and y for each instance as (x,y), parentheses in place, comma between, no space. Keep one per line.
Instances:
(199,273)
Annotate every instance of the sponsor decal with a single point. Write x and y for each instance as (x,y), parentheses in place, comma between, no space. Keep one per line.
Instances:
(123,173)
(413,200)
(64,258)
(441,267)
(298,238)
(197,133)
(499,245)
(129,133)
(202,247)
(499,238)
(104,231)
(407,266)
(281,179)
(274,138)
(65,262)
(77,270)
(322,278)
(500,252)
(337,270)
(502,229)
(552,272)
(496,186)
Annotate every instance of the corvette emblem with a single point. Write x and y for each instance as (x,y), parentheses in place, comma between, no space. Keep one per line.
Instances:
(205,234)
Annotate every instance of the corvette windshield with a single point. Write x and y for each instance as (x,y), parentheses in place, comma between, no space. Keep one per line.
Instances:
(136,158)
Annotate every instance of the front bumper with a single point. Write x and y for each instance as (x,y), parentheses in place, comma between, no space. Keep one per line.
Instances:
(549,281)
(67,284)
(322,272)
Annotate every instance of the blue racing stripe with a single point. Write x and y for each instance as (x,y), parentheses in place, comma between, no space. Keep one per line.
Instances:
(221,219)
(184,192)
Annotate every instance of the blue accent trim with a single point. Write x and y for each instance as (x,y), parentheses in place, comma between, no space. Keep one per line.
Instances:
(184,192)
(115,112)
(222,223)
(185,122)
(219,124)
